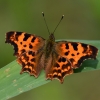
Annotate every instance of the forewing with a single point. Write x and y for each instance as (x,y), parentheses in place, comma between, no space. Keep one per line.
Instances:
(76,52)
(28,49)
(24,42)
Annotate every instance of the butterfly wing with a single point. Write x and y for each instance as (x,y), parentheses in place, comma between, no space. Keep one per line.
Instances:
(66,57)
(76,52)
(57,67)
(27,48)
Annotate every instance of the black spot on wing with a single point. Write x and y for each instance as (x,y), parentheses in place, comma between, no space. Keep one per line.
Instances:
(31,53)
(67,53)
(72,60)
(67,46)
(29,70)
(84,47)
(54,76)
(30,46)
(24,45)
(59,71)
(63,59)
(74,46)
(78,53)
(72,54)
(33,39)
(17,35)
(33,59)
(26,36)
(21,43)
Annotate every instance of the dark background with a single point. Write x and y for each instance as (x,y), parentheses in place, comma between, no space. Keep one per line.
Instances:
(81,21)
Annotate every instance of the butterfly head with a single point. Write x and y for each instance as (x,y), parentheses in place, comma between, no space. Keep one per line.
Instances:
(51,37)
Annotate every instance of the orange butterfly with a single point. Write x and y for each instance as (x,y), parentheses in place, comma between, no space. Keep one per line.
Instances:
(58,59)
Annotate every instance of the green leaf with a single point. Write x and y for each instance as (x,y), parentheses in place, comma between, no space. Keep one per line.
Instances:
(13,84)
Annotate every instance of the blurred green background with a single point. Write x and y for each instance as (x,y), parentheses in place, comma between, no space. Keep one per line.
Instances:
(81,21)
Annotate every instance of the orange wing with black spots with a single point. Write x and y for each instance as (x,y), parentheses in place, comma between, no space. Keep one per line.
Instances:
(76,52)
(26,47)
(24,42)
(58,68)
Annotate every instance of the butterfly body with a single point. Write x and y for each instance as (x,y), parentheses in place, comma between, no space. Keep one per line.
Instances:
(58,59)
(49,46)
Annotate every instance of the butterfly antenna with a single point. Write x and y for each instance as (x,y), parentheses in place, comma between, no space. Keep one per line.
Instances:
(58,23)
(46,23)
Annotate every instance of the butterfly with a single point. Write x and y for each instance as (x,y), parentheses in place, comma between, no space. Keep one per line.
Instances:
(57,58)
